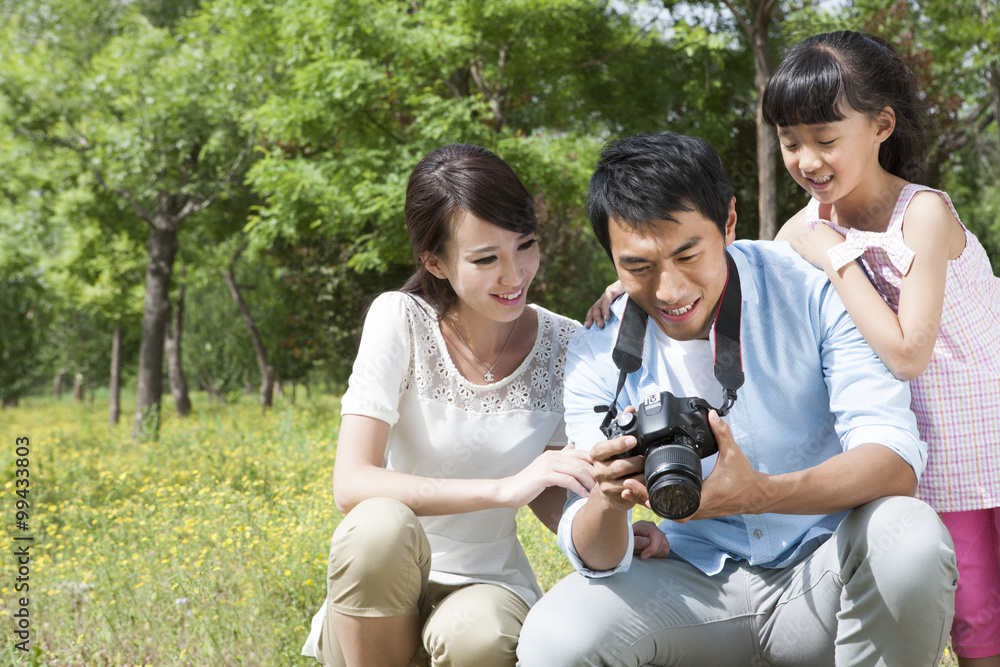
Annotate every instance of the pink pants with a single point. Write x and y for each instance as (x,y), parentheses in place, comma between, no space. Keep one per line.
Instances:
(975,633)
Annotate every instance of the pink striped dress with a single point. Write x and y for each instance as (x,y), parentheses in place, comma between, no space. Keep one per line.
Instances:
(957,399)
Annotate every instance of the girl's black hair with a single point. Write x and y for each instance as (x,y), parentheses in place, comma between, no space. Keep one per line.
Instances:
(451,180)
(825,75)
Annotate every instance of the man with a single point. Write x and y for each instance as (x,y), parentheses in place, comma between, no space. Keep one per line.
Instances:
(807,547)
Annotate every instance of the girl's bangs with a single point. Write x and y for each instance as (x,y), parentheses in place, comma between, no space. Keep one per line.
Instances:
(810,94)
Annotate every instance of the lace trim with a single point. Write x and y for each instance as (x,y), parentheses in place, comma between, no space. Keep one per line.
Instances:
(536,385)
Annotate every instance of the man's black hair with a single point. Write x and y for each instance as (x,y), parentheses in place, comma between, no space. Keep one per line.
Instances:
(650,177)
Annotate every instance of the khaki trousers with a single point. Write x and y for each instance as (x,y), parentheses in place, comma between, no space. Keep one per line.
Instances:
(379,565)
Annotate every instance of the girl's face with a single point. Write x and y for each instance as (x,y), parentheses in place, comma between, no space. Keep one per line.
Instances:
(831,160)
(489,268)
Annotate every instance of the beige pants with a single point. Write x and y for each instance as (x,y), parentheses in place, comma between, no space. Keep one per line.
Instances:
(379,564)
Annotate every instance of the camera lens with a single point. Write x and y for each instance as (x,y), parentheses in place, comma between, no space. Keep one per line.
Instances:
(673,479)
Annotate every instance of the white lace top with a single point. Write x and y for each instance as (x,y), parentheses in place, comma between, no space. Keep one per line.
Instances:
(444,426)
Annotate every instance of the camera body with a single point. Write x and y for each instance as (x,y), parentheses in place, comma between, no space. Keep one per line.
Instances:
(673,435)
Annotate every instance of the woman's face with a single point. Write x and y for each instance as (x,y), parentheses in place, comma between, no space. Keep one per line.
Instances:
(489,268)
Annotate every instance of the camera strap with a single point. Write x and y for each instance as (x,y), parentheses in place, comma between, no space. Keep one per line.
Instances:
(728,358)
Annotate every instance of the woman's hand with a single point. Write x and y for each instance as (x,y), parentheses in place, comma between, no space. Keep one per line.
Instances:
(814,245)
(568,467)
(650,542)
(600,312)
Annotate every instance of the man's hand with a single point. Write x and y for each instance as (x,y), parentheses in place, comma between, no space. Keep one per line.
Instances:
(650,542)
(615,485)
(733,487)
(600,530)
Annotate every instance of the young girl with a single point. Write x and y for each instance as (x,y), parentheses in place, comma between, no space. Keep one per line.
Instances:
(455,396)
(923,293)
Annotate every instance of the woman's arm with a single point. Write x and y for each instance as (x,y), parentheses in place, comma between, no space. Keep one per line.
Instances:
(905,341)
(358,474)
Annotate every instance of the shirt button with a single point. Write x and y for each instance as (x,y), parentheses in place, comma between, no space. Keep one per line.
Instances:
(758,534)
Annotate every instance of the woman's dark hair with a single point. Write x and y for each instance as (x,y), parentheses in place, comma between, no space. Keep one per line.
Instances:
(451,180)
(825,74)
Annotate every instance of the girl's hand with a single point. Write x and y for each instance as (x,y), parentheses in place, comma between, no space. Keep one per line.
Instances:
(601,310)
(814,245)
(567,467)
(650,542)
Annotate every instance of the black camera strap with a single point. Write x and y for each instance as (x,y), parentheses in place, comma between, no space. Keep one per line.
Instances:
(627,354)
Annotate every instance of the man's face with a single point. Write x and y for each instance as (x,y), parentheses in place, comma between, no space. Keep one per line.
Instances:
(676,271)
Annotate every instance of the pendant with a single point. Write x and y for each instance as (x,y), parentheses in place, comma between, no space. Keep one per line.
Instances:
(489,376)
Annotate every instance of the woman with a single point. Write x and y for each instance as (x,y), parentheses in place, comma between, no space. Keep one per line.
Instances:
(451,422)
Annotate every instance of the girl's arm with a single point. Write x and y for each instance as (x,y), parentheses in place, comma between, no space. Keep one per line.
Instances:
(358,474)
(600,312)
(905,341)
(795,227)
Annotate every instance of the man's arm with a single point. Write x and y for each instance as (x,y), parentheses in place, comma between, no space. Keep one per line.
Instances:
(881,454)
(840,483)
(600,530)
(594,532)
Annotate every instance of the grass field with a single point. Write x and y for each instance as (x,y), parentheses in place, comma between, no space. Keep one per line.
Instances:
(207,547)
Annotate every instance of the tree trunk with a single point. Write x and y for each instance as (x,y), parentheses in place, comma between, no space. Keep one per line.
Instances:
(767,140)
(79,388)
(266,370)
(57,384)
(162,247)
(172,343)
(114,389)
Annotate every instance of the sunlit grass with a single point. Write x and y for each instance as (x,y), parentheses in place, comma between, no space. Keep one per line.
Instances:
(206,547)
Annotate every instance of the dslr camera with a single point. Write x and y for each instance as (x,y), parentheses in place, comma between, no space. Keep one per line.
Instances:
(674,436)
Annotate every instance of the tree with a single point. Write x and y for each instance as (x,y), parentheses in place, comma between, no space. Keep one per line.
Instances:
(952,49)
(260,353)
(755,19)
(22,327)
(27,302)
(372,87)
(98,277)
(155,116)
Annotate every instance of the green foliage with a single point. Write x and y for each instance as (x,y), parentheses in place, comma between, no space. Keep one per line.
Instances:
(113,111)
(25,318)
(952,49)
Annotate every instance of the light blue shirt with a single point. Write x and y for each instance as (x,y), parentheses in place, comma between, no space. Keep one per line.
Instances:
(813,389)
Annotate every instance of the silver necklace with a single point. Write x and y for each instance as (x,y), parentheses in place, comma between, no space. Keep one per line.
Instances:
(489,371)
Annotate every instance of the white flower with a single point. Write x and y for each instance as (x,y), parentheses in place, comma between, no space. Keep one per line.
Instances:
(422,376)
(444,395)
(544,349)
(491,403)
(519,395)
(540,379)
(428,344)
